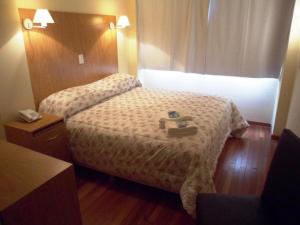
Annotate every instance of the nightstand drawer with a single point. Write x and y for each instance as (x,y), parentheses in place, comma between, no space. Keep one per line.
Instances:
(50,133)
(52,141)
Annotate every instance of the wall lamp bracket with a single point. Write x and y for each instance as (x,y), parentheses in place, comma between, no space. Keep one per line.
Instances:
(28,24)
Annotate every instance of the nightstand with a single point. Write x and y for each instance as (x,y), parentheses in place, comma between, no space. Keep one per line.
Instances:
(47,135)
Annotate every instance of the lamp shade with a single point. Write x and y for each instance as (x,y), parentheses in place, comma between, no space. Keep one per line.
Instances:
(42,16)
(123,21)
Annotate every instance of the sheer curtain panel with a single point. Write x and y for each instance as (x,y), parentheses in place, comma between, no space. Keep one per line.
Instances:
(248,37)
(222,37)
(172,34)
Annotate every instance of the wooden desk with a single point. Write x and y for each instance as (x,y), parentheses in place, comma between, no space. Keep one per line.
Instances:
(36,189)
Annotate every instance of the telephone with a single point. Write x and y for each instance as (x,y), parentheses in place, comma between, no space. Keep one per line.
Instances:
(28,115)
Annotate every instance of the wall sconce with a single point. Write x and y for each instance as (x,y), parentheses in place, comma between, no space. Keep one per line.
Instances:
(41,16)
(122,23)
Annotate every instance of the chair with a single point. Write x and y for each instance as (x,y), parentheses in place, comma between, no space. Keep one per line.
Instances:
(279,203)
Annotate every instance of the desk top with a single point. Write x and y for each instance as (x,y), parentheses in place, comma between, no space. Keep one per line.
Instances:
(23,170)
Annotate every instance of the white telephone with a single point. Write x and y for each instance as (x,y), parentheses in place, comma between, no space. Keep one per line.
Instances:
(28,115)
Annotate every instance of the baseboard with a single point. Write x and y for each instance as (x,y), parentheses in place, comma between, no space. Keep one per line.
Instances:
(259,123)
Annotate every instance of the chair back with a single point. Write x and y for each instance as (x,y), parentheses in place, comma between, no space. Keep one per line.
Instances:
(281,194)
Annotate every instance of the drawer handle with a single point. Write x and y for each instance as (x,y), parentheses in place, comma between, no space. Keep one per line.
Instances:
(53,138)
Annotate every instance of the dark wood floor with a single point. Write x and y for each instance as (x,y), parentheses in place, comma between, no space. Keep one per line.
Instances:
(112,201)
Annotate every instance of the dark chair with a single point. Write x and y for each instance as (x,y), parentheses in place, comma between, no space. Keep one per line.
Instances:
(279,203)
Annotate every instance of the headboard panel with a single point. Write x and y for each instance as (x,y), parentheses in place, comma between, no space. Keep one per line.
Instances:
(52,53)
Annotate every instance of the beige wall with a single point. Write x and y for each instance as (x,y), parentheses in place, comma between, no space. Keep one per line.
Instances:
(132,45)
(15,87)
(293,122)
(288,74)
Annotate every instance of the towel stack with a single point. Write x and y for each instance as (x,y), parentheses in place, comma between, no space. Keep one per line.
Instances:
(177,125)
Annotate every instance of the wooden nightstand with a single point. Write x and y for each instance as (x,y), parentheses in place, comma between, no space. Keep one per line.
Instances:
(47,135)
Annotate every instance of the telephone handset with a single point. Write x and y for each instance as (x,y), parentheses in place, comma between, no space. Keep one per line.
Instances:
(28,115)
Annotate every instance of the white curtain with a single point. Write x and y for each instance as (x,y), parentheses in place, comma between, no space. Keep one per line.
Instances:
(171,34)
(248,37)
(224,37)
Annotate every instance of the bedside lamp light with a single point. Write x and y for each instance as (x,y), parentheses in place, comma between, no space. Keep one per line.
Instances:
(41,16)
(123,22)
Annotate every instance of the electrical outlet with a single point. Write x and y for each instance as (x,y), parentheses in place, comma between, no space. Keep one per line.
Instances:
(81,59)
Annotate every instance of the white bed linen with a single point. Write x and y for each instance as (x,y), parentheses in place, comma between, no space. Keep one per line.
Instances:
(121,137)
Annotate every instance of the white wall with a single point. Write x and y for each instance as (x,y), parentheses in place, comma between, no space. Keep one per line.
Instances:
(255,97)
(293,121)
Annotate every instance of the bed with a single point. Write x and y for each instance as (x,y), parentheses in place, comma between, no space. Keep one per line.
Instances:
(114,129)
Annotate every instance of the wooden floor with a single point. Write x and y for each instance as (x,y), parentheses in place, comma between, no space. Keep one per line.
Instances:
(112,201)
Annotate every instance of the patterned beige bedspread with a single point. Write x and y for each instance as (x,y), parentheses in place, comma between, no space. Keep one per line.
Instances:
(121,137)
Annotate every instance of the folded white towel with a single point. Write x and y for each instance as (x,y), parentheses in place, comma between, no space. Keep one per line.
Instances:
(162,121)
(179,128)
(164,116)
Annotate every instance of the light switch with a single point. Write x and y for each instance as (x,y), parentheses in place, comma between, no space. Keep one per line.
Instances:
(81,59)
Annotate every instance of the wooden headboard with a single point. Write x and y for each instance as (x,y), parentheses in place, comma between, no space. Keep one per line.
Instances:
(52,53)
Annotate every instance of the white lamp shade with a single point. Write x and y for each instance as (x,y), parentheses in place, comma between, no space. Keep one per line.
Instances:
(42,16)
(123,21)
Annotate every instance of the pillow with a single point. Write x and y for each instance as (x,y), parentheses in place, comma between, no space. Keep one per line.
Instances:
(70,101)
